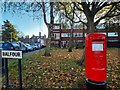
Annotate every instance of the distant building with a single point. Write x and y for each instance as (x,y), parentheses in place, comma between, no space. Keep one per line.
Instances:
(33,39)
(61,37)
(37,39)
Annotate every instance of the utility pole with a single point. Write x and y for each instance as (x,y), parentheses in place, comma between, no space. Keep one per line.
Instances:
(1,29)
(11,36)
(0,34)
(40,39)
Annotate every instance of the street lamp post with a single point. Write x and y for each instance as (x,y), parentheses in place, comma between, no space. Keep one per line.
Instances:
(1,28)
(0,35)
(11,36)
(1,63)
(40,39)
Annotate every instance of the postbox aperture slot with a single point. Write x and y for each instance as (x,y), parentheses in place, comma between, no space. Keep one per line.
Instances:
(97,46)
(101,40)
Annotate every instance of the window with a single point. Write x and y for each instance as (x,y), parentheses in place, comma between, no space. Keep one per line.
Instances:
(52,35)
(79,40)
(56,36)
(65,35)
(112,34)
(77,35)
(68,34)
(56,27)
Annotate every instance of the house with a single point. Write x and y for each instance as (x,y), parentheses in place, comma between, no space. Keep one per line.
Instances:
(60,37)
(34,39)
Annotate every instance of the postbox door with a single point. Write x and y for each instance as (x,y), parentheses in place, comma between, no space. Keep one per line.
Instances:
(96,57)
(99,61)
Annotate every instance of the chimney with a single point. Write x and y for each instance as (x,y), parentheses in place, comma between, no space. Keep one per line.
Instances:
(40,34)
(44,36)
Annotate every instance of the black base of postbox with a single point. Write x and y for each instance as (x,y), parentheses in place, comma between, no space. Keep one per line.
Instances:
(92,85)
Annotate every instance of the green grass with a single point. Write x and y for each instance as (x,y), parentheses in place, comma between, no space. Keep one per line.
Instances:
(60,70)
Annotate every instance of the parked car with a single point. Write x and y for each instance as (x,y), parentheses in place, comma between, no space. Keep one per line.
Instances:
(10,46)
(29,47)
(0,45)
(22,46)
(35,46)
(43,43)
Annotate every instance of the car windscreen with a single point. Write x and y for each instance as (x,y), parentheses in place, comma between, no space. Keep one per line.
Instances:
(28,44)
(0,45)
(6,45)
(15,44)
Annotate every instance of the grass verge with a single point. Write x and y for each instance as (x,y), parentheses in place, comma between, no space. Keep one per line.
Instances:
(61,70)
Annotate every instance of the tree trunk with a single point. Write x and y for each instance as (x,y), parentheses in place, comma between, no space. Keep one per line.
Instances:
(49,25)
(71,39)
(90,29)
(48,42)
(119,38)
(82,60)
(47,49)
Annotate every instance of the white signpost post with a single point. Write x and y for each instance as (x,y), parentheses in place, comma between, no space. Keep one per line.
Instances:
(9,54)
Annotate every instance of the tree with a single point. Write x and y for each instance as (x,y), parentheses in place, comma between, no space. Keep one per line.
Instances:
(49,25)
(21,34)
(37,10)
(113,25)
(66,22)
(9,33)
(93,11)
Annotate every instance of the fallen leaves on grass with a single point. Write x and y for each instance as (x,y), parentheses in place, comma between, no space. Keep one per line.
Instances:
(62,71)
(113,69)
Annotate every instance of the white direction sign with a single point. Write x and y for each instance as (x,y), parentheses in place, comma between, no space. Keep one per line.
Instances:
(11,54)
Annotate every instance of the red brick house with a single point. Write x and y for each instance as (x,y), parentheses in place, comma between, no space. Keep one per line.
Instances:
(60,37)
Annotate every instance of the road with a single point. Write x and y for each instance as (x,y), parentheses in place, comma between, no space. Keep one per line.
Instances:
(27,54)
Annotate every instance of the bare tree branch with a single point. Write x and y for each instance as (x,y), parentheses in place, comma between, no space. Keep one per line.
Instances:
(80,19)
(72,19)
(44,12)
(88,13)
(78,7)
(102,5)
(51,13)
(107,15)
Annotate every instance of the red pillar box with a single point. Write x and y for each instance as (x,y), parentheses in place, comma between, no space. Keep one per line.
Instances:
(96,57)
